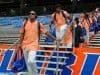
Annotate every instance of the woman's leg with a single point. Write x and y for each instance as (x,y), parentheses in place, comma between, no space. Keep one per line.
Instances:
(63,30)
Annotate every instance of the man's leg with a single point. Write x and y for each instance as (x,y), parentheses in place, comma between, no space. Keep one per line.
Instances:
(25,52)
(32,63)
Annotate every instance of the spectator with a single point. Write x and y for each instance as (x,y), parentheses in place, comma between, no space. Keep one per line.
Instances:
(78,37)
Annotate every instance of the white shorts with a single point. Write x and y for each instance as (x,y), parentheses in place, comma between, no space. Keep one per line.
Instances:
(60,34)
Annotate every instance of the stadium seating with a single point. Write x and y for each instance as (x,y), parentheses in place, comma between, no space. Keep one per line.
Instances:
(95,42)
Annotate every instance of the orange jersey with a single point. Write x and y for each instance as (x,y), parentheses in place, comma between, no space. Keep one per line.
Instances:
(60,19)
(30,41)
(84,24)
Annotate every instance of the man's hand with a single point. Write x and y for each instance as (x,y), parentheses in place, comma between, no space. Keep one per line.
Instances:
(57,41)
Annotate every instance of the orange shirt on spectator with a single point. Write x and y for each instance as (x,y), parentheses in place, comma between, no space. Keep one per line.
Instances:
(60,19)
(84,24)
(31,37)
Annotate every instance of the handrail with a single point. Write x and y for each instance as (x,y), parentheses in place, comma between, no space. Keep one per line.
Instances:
(51,46)
(49,62)
(49,68)
(54,51)
(49,56)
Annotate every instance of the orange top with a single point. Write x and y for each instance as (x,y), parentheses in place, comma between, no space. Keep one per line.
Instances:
(68,37)
(85,24)
(30,41)
(60,20)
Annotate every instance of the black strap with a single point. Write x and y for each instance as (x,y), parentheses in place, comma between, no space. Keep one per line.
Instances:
(62,14)
(39,30)
(26,19)
(55,16)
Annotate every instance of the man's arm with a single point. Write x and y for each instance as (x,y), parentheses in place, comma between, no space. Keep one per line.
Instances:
(45,31)
(21,38)
(50,35)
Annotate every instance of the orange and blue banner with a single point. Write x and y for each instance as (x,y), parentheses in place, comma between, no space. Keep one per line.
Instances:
(84,61)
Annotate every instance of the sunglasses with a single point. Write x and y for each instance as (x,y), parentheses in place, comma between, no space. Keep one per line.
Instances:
(32,13)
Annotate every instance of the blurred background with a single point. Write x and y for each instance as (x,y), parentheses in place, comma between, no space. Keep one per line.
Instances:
(22,7)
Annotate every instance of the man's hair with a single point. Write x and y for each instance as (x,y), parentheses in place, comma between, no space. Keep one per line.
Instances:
(58,5)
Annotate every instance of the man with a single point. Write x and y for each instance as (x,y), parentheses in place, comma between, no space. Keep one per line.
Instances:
(59,18)
(78,37)
(29,40)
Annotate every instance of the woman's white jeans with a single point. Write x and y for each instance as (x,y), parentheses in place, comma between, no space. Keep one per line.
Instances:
(61,33)
(30,61)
